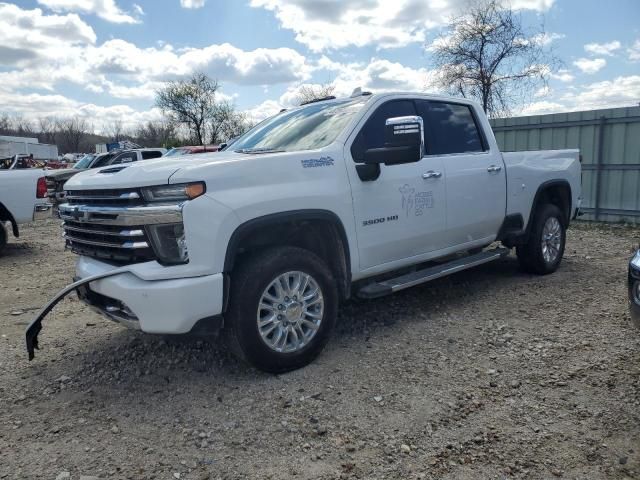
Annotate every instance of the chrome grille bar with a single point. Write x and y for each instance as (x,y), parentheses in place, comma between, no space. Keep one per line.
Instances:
(116,233)
(96,243)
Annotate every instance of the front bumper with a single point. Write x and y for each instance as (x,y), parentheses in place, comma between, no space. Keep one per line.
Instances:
(42,211)
(171,306)
(633,284)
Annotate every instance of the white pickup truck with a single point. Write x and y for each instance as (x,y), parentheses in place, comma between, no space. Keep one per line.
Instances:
(361,196)
(22,199)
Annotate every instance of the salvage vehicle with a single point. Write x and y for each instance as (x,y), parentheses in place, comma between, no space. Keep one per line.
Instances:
(633,284)
(23,195)
(361,196)
(56,180)
(191,150)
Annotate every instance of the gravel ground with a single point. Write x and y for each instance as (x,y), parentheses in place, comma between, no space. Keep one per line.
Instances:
(487,374)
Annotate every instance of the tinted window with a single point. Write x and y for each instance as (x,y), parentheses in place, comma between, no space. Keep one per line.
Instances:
(102,160)
(372,133)
(450,128)
(152,154)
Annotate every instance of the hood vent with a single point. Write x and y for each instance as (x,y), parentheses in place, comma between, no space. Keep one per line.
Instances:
(112,170)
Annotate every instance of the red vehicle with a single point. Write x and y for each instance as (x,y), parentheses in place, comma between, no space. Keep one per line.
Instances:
(191,149)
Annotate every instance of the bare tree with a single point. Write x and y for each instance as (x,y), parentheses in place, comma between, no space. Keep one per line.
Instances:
(190,103)
(71,134)
(115,130)
(227,123)
(156,134)
(487,54)
(310,93)
(47,130)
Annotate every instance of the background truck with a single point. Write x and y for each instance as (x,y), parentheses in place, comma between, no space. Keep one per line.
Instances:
(57,179)
(22,199)
(360,196)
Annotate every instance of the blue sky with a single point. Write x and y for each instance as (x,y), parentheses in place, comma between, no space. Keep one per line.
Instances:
(104,58)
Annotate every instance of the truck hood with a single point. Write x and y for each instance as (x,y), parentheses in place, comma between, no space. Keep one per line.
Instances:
(146,172)
(62,173)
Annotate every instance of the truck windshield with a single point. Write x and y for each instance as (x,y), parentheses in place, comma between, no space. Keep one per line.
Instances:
(84,162)
(305,128)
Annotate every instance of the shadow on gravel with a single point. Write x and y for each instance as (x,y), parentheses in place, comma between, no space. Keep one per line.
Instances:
(15,250)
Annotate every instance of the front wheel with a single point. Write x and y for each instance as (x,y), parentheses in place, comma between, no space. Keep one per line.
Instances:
(282,308)
(544,249)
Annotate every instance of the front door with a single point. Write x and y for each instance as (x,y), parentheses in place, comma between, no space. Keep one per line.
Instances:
(400,210)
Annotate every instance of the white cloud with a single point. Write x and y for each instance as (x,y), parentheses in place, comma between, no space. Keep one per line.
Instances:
(192,3)
(606,49)
(224,62)
(562,75)
(634,51)
(334,24)
(590,66)
(105,9)
(621,91)
(546,39)
(541,107)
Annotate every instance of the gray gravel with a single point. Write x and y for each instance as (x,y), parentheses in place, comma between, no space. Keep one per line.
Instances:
(487,374)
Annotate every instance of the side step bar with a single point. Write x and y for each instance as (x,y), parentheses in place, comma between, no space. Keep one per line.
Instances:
(385,287)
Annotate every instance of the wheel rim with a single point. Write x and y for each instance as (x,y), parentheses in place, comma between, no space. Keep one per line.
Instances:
(551,239)
(290,312)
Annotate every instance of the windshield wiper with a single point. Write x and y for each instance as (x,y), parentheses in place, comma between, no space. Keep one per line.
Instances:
(258,150)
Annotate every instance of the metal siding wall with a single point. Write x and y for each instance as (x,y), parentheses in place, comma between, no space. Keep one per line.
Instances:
(619,188)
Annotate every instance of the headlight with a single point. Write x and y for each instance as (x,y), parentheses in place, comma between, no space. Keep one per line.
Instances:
(177,192)
(169,243)
(635,261)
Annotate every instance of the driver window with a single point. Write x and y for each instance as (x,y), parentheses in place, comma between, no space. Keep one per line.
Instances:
(372,133)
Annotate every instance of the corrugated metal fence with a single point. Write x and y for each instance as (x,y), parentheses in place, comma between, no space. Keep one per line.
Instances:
(609,141)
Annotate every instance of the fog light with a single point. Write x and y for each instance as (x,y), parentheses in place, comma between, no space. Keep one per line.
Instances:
(169,243)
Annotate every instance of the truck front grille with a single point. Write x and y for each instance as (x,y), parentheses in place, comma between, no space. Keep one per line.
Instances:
(122,245)
(110,225)
(113,198)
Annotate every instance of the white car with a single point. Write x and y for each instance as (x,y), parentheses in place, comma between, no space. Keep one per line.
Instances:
(22,199)
(353,196)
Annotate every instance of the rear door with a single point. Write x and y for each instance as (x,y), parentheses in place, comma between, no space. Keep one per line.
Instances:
(400,210)
(475,175)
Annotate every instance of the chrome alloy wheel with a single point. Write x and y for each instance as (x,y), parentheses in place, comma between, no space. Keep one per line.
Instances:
(290,312)
(551,239)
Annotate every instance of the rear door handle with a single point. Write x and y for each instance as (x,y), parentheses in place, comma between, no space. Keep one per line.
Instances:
(494,168)
(431,174)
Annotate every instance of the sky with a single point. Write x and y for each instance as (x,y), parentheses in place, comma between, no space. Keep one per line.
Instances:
(104,59)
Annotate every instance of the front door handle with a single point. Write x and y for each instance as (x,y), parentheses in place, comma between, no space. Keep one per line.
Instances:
(494,168)
(431,174)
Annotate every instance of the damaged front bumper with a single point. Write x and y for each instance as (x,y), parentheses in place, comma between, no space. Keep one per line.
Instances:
(134,297)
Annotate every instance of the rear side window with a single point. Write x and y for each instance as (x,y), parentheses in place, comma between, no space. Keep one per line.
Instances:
(372,133)
(124,158)
(151,154)
(450,128)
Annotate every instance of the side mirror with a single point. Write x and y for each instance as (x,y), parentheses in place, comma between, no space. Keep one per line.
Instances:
(404,142)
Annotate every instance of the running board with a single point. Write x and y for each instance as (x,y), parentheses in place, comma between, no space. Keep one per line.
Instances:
(385,287)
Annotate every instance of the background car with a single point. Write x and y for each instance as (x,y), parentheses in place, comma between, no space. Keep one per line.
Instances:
(634,288)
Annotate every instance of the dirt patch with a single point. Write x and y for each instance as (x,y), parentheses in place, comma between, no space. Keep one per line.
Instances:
(487,374)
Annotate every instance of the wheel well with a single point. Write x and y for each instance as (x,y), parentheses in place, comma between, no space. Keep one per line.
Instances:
(5,216)
(558,194)
(319,232)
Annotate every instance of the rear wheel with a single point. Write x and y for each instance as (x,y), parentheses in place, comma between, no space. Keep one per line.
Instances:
(3,238)
(282,308)
(544,249)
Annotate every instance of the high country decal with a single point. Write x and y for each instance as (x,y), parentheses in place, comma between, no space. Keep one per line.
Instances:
(317,162)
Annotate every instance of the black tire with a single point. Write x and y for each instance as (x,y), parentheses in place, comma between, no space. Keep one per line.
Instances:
(248,283)
(3,238)
(531,255)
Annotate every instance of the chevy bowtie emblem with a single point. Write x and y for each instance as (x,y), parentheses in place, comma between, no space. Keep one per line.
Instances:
(76,214)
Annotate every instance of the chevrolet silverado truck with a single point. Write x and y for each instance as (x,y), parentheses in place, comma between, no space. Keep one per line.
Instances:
(22,199)
(361,196)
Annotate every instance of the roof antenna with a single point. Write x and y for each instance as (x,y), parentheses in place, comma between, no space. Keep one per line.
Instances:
(356,92)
